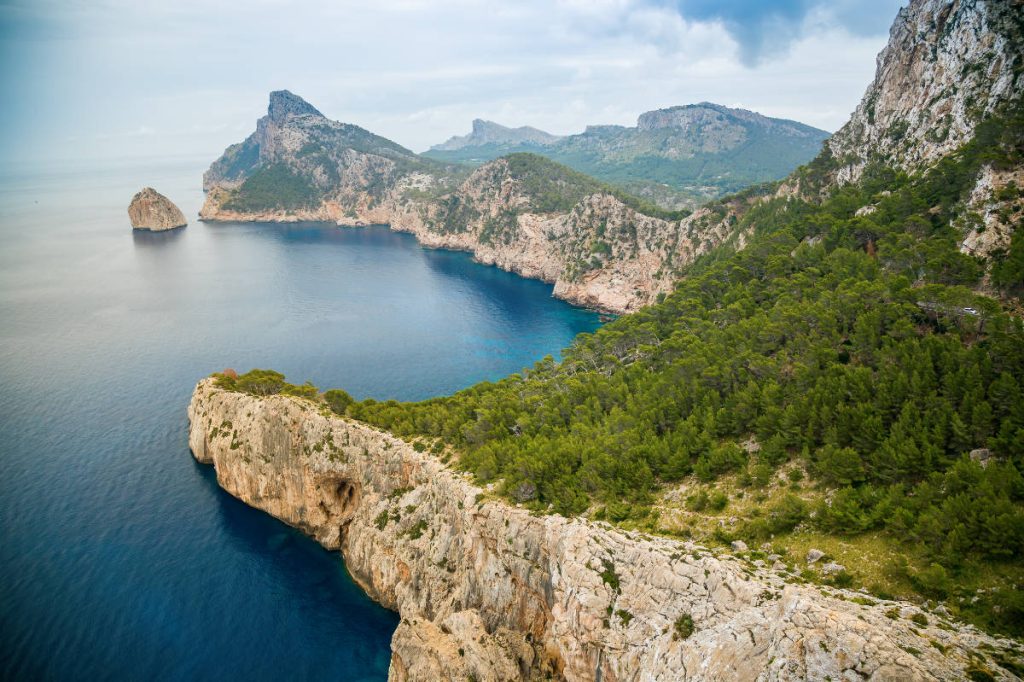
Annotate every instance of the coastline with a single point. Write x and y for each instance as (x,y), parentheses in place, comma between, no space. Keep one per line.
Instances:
(523,595)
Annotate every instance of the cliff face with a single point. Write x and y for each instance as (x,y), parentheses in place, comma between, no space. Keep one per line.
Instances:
(491,592)
(522,213)
(948,65)
(150,210)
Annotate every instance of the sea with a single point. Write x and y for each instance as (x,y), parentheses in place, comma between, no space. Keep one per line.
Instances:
(120,557)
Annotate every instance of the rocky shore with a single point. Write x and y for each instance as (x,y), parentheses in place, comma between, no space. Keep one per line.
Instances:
(488,591)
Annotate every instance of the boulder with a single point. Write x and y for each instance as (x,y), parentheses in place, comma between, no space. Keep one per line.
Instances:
(813,555)
(981,456)
(151,210)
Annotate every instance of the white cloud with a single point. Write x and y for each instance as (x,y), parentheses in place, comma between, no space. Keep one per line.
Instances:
(196,72)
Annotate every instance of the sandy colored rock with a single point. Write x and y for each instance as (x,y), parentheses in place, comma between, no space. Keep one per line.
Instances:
(150,210)
(947,65)
(522,596)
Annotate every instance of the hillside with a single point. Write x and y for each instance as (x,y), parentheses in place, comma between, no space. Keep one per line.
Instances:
(848,382)
(599,246)
(676,157)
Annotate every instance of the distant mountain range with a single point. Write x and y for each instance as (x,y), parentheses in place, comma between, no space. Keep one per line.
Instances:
(676,157)
(486,133)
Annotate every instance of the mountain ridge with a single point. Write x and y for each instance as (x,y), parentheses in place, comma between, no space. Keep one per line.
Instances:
(675,157)
(488,132)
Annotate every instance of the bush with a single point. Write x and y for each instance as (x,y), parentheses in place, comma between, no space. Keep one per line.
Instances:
(260,382)
(840,466)
(338,400)
(721,459)
(306,390)
(933,581)
(698,502)
(683,627)
(786,514)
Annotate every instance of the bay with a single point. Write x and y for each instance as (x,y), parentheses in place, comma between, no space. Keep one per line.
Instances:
(120,557)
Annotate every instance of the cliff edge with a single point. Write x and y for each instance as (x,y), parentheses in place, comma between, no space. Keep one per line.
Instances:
(487,591)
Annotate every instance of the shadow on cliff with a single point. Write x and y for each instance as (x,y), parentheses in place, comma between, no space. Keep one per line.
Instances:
(313,576)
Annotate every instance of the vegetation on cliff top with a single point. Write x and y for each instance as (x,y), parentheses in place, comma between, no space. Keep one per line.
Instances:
(852,348)
(847,353)
(555,188)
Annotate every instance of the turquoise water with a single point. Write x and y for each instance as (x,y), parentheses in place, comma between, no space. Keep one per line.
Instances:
(120,558)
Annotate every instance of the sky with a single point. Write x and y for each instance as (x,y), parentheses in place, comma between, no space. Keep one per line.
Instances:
(138,79)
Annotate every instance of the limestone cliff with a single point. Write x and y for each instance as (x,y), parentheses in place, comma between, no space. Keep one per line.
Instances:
(491,592)
(947,66)
(150,210)
(522,213)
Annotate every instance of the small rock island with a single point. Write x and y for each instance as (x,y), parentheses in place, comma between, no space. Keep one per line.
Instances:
(151,210)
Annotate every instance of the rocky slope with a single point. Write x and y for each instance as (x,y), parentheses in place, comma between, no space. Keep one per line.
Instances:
(490,592)
(522,213)
(150,210)
(675,157)
(947,66)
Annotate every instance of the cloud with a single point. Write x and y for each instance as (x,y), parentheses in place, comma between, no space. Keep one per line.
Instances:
(766,29)
(197,72)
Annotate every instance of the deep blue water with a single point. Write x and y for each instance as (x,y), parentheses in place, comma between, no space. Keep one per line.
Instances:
(120,558)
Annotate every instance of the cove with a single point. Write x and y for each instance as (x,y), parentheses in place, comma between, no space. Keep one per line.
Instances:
(120,558)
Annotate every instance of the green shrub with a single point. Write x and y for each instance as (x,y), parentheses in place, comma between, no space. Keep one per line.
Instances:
(338,400)
(608,575)
(683,627)
(273,187)
(260,382)
(416,531)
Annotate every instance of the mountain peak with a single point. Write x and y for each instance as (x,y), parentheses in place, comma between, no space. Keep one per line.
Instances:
(489,132)
(702,114)
(284,104)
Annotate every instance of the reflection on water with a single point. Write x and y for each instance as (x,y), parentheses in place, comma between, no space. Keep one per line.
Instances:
(147,238)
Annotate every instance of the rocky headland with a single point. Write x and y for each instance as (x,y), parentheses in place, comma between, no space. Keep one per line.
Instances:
(150,210)
(523,213)
(488,591)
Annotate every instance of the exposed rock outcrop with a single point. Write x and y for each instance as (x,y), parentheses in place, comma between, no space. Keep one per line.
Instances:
(150,210)
(948,65)
(997,206)
(491,592)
